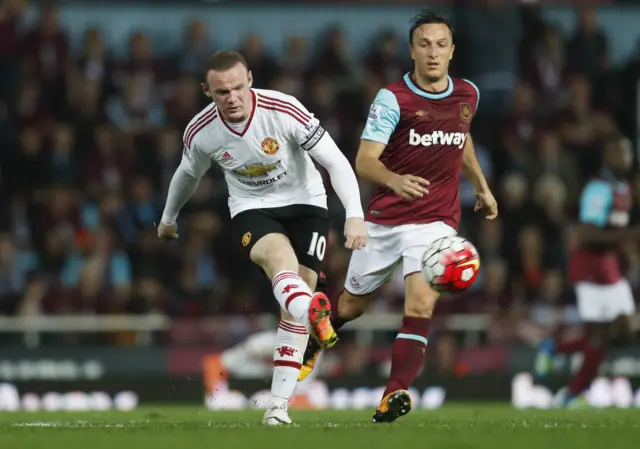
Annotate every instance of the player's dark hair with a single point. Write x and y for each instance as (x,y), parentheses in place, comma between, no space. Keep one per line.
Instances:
(427,17)
(613,138)
(223,60)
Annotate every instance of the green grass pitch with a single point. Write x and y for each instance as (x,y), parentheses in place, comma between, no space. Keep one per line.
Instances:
(460,426)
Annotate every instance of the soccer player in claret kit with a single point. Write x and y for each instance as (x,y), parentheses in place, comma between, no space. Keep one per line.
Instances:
(604,297)
(414,146)
(264,142)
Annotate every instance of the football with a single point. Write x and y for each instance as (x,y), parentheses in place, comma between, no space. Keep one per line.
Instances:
(451,264)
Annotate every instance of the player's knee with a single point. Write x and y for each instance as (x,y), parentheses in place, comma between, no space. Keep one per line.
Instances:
(421,307)
(599,335)
(273,253)
(352,306)
(309,276)
(420,304)
(420,300)
(621,331)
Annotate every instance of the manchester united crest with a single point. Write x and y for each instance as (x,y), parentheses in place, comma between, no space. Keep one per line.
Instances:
(465,112)
(246,239)
(270,146)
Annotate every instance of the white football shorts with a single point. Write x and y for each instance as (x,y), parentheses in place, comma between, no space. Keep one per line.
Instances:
(598,303)
(373,266)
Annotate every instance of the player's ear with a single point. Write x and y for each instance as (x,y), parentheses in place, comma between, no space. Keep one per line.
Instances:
(250,78)
(412,52)
(453,48)
(205,89)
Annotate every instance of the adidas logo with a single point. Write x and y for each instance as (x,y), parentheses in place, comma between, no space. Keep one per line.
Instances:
(226,156)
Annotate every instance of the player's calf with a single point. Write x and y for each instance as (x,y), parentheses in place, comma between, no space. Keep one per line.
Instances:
(347,307)
(410,346)
(290,344)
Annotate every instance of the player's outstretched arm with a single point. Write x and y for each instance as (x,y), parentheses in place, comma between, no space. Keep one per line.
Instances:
(345,184)
(473,172)
(369,167)
(183,184)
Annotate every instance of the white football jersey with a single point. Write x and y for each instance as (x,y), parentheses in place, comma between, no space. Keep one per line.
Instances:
(265,160)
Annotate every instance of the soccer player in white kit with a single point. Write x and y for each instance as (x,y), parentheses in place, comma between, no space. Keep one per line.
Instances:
(263,141)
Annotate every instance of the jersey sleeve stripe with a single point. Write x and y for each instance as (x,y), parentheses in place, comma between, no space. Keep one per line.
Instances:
(284,111)
(197,129)
(195,125)
(304,117)
(477,92)
(198,119)
(276,102)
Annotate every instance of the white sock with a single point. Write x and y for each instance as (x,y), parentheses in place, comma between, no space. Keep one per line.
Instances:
(291,342)
(293,294)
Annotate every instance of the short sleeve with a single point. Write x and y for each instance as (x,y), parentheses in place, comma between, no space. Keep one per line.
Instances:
(195,161)
(477,93)
(595,203)
(384,116)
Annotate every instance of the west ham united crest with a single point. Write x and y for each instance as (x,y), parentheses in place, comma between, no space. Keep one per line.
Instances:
(465,112)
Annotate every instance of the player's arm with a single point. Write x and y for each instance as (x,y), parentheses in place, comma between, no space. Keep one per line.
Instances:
(343,179)
(322,148)
(595,205)
(471,167)
(193,166)
(473,172)
(384,116)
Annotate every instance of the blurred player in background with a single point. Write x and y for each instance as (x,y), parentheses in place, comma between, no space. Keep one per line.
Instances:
(264,142)
(604,297)
(414,146)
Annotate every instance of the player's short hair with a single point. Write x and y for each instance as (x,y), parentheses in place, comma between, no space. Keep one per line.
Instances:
(223,60)
(427,17)
(613,138)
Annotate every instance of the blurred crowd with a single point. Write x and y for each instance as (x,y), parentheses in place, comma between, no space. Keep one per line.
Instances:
(88,145)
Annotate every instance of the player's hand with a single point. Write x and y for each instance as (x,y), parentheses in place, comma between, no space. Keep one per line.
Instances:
(356,233)
(486,203)
(408,186)
(168,232)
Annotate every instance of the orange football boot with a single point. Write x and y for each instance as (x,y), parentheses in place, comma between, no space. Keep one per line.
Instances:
(394,405)
(309,360)
(320,321)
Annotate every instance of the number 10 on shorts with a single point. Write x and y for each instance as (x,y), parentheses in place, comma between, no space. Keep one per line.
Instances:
(318,246)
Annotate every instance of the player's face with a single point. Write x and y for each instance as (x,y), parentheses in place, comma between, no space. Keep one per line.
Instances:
(432,49)
(231,92)
(620,157)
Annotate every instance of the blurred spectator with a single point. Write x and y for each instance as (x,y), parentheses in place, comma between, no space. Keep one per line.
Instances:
(11,14)
(551,158)
(197,47)
(546,66)
(384,61)
(295,60)
(15,266)
(45,50)
(134,110)
(587,49)
(263,66)
(334,60)
(494,25)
